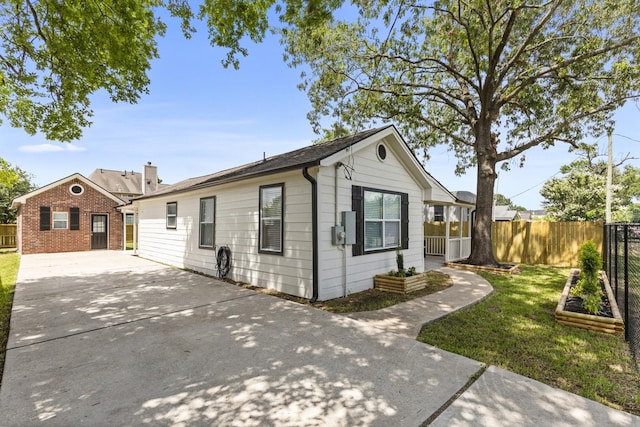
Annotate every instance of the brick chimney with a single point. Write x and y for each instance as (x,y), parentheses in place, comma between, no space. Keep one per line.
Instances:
(149,178)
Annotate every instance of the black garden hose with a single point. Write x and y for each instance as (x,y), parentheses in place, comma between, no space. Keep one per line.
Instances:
(223,261)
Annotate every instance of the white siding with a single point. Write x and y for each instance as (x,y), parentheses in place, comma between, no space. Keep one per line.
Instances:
(368,172)
(236,226)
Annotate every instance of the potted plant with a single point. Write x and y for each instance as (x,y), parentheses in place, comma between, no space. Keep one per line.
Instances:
(587,300)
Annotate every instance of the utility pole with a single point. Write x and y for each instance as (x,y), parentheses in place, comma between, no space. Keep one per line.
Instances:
(609,179)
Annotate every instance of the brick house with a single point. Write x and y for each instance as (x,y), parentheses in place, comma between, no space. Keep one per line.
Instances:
(71,214)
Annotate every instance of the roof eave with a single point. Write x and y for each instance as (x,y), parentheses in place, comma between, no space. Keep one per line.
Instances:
(228,180)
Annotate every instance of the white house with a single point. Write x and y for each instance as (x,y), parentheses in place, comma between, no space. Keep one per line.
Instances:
(318,222)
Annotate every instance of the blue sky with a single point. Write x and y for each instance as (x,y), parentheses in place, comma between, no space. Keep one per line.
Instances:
(200,118)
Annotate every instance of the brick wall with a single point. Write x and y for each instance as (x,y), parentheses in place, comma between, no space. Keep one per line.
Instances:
(60,199)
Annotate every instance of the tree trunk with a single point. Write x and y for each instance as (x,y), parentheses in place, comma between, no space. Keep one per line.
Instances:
(486,154)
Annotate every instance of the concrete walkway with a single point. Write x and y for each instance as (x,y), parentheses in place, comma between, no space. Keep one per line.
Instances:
(497,397)
(407,318)
(104,338)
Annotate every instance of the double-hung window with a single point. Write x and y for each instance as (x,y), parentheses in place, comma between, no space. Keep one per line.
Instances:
(271,219)
(60,220)
(172,214)
(381,220)
(207,222)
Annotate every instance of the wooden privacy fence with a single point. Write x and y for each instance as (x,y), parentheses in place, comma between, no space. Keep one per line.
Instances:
(519,242)
(8,235)
(550,243)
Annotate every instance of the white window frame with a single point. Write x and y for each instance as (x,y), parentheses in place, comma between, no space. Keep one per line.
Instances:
(172,219)
(64,220)
(201,223)
(262,219)
(383,220)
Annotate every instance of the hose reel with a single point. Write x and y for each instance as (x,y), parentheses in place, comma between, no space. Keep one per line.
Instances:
(223,261)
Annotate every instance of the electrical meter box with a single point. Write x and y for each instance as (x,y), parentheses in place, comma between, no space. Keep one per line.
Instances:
(337,235)
(345,234)
(349,224)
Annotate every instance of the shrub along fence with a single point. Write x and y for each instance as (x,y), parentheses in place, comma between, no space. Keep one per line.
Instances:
(8,235)
(622,265)
(550,243)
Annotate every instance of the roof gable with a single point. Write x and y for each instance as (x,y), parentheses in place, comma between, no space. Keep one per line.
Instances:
(23,199)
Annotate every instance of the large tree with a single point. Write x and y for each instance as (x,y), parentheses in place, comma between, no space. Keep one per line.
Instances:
(490,78)
(55,54)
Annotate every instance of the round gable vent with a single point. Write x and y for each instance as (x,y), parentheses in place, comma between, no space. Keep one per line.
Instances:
(76,189)
(381,151)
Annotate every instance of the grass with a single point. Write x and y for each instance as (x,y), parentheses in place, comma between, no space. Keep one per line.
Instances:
(515,329)
(369,300)
(9,263)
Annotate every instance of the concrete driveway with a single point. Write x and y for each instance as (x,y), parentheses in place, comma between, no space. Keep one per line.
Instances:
(105,338)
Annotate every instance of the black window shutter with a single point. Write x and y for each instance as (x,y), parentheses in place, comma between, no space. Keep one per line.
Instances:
(357,205)
(74,220)
(404,219)
(45,218)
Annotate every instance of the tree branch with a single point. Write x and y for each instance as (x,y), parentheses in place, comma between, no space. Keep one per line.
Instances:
(551,135)
(529,80)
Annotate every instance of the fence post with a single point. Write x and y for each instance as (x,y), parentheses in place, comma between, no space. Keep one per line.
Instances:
(626,280)
(615,248)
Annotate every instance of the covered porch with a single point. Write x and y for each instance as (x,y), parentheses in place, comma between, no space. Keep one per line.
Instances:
(447,230)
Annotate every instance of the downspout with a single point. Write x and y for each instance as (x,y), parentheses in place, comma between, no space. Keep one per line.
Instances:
(314,231)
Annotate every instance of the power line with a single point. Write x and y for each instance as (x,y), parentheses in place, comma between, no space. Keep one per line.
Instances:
(531,188)
(629,138)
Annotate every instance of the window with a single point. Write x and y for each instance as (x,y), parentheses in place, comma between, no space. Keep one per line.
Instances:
(271,218)
(60,220)
(45,218)
(76,189)
(207,222)
(172,214)
(382,220)
(438,213)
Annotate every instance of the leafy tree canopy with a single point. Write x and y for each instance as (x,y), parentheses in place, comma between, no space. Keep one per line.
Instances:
(14,182)
(579,195)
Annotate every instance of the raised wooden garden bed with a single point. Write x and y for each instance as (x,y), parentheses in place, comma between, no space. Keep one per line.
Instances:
(401,285)
(612,324)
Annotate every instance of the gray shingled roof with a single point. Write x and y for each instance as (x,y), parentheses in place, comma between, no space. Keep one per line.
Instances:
(118,182)
(307,156)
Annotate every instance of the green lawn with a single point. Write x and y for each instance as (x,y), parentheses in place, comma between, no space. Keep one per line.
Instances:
(9,263)
(515,329)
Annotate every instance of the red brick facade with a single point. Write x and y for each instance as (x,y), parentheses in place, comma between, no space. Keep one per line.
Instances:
(60,199)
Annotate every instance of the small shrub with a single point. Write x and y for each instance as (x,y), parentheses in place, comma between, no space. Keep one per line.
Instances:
(588,286)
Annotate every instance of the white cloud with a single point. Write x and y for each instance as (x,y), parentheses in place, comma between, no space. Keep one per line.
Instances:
(75,148)
(49,148)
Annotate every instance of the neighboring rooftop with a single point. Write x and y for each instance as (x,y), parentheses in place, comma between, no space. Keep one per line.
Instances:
(118,182)
(465,196)
(129,183)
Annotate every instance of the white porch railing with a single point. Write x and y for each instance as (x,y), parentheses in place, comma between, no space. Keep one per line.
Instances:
(434,245)
(459,248)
